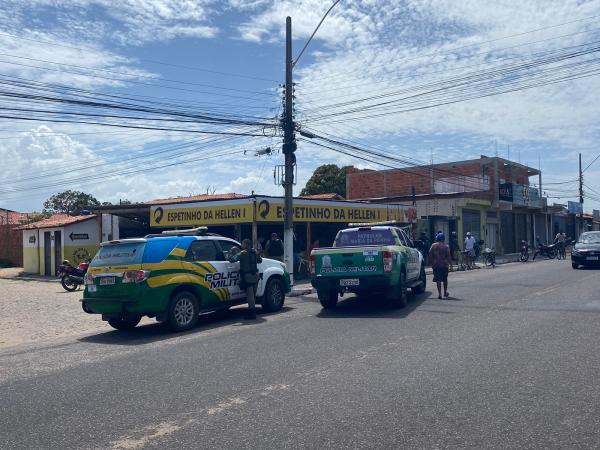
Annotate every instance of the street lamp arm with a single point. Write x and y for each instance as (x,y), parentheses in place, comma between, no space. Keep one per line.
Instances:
(314,32)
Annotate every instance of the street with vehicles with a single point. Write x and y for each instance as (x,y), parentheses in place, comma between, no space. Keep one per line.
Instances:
(490,367)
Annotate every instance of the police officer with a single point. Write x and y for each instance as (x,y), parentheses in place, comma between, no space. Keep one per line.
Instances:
(249,275)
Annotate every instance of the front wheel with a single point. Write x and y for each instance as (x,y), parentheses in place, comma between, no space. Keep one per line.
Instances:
(328,299)
(575,266)
(125,324)
(274,296)
(183,311)
(68,284)
(552,254)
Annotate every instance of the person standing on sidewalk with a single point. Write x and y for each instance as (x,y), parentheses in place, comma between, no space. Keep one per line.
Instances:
(249,275)
(470,249)
(274,248)
(439,256)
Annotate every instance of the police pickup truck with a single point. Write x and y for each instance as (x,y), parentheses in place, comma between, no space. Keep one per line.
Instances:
(368,260)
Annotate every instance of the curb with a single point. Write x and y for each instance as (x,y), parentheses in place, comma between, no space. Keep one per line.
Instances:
(298,292)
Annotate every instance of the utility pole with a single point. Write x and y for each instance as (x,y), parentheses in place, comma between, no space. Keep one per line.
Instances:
(289,149)
(580,182)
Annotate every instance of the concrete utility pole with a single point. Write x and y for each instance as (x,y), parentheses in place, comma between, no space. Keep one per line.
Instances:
(580,182)
(289,149)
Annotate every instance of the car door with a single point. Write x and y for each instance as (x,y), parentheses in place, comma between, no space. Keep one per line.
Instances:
(219,276)
(413,269)
(225,249)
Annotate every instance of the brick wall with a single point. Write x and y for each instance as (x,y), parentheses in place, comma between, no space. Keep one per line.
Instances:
(371,184)
(11,245)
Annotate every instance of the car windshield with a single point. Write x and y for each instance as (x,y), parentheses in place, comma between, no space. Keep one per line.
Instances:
(589,238)
(365,236)
(119,254)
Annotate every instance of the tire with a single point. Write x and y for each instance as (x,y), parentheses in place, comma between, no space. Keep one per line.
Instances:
(423,285)
(524,257)
(399,298)
(67,284)
(328,299)
(183,311)
(125,324)
(274,295)
(574,265)
(552,254)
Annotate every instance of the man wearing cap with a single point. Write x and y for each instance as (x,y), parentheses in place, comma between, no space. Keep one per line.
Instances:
(439,256)
(469,249)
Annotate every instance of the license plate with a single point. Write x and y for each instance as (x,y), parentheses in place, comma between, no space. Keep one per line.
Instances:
(92,288)
(107,280)
(592,258)
(350,282)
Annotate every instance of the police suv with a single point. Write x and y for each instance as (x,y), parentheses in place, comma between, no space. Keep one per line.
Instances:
(173,276)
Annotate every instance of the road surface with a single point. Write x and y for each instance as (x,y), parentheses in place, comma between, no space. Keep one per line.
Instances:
(511,361)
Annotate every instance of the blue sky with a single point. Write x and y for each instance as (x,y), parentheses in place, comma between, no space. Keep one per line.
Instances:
(233,55)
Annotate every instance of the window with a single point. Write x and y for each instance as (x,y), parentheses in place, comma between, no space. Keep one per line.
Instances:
(226,247)
(404,238)
(117,254)
(365,236)
(202,251)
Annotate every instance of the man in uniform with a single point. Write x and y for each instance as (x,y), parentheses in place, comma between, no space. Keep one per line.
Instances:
(274,248)
(249,275)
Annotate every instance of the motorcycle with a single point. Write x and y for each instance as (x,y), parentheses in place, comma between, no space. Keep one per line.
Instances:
(549,251)
(524,252)
(72,277)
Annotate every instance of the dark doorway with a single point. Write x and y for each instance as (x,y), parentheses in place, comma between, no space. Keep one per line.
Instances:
(57,249)
(47,254)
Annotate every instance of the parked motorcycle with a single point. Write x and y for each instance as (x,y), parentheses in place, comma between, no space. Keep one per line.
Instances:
(549,251)
(72,277)
(524,251)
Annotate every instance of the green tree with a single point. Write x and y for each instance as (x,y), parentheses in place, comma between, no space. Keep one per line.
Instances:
(70,202)
(328,178)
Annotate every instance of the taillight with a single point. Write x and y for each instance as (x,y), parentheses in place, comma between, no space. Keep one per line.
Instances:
(312,265)
(88,279)
(388,261)
(135,276)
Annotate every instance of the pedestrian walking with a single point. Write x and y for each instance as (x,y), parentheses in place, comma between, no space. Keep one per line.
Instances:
(439,256)
(249,275)
(274,248)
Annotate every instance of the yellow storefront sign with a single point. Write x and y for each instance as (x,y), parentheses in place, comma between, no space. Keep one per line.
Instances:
(199,214)
(270,209)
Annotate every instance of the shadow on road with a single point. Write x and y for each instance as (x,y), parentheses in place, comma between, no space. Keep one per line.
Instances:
(153,332)
(373,308)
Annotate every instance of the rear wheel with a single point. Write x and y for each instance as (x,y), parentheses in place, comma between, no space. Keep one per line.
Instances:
(552,254)
(423,282)
(328,299)
(399,297)
(183,311)
(125,324)
(274,295)
(68,284)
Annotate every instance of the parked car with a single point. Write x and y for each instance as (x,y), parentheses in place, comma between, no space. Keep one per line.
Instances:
(378,260)
(173,277)
(586,251)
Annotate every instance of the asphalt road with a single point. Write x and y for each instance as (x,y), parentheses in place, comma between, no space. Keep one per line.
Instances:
(511,361)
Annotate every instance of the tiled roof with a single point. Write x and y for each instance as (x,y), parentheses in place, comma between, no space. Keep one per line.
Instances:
(57,220)
(328,196)
(8,217)
(195,198)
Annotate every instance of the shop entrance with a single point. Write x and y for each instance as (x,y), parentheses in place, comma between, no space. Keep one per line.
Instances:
(57,249)
(47,253)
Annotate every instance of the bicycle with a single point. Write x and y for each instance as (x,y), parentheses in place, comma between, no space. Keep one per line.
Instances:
(462,265)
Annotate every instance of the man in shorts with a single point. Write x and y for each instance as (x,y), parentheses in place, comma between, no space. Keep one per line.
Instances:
(439,256)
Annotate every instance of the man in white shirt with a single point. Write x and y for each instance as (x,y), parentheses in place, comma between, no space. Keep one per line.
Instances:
(469,249)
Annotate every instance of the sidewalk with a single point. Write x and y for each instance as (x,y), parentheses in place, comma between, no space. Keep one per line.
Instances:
(303,287)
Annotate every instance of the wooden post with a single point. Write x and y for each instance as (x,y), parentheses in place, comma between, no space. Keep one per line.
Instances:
(308,238)
(254,226)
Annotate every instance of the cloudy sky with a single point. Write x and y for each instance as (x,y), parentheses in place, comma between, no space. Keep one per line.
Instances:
(411,78)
